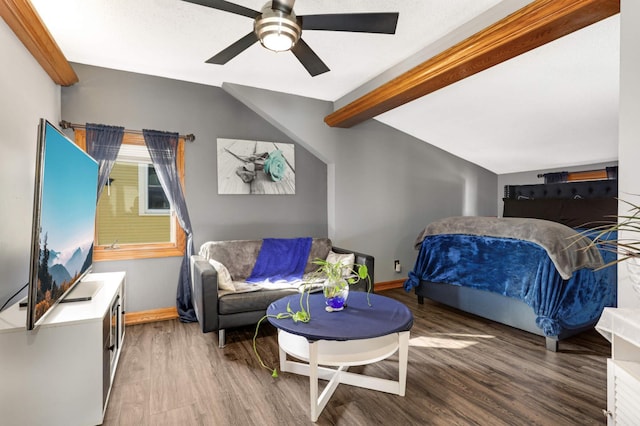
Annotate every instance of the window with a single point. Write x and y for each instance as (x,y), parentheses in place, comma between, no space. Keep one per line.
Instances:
(153,201)
(134,219)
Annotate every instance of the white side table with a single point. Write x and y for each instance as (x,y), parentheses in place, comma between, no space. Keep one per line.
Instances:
(622,328)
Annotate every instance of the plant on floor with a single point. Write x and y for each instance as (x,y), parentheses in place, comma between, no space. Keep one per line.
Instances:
(627,248)
(337,272)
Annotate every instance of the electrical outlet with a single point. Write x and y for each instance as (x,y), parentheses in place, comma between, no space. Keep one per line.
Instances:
(396,266)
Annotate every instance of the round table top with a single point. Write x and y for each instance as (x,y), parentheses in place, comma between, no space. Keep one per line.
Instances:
(356,321)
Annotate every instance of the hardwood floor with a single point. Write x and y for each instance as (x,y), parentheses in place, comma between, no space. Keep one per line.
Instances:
(463,370)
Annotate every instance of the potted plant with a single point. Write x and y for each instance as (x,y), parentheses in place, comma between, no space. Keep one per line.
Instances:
(627,248)
(337,277)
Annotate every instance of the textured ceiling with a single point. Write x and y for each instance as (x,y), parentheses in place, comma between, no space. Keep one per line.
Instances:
(552,107)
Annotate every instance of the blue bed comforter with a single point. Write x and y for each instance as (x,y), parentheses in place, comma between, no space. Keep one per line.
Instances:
(518,269)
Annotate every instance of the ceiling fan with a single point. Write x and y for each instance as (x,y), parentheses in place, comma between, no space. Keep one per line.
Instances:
(278,28)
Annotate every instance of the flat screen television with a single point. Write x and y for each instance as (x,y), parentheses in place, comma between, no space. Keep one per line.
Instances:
(64,211)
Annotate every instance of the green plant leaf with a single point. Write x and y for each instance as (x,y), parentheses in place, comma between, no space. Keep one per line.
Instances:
(301,316)
(274,373)
(363,272)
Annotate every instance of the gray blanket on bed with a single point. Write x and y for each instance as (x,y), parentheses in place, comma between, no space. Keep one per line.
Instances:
(566,248)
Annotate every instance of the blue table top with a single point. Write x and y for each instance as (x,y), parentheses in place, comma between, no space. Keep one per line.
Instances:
(356,321)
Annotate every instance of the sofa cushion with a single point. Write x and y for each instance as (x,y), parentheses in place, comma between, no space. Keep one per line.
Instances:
(233,303)
(239,287)
(237,255)
(320,248)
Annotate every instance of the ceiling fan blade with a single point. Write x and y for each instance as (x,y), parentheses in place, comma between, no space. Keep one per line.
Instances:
(227,7)
(233,50)
(380,23)
(309,59)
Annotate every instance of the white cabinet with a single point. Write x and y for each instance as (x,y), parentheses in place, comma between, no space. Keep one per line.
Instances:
(61,372)
(622,328)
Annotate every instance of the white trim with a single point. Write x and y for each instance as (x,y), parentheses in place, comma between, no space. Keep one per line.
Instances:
(143,191)
(133,154)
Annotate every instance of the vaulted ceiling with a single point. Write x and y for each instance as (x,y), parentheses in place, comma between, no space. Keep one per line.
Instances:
(553,106)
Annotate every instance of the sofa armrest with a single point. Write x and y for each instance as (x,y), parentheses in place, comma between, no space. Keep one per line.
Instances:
(361,259)
(205,293)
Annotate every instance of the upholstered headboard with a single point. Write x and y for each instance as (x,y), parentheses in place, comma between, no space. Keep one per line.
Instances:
(575,204)
(607,188)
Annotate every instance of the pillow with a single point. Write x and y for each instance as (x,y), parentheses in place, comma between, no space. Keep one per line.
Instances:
(224,277)
(345,259)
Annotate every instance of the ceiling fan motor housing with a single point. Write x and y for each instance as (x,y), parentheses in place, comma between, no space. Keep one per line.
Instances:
(277,30)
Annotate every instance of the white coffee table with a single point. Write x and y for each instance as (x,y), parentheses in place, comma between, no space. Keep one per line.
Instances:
(334,341)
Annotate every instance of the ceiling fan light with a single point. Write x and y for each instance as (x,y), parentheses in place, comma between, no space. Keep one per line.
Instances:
(278,42)
(276,30)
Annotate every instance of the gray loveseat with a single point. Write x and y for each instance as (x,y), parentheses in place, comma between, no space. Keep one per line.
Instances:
(218,309)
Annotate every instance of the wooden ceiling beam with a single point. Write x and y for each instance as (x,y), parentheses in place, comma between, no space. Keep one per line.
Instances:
(25,22)
(538,23)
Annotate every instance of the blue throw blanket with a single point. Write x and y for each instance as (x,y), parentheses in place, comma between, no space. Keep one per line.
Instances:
(281,259)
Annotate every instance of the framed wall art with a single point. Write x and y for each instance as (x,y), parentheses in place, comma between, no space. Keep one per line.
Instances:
(255,167)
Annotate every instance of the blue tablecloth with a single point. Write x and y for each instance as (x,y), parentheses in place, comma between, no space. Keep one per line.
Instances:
(356,321)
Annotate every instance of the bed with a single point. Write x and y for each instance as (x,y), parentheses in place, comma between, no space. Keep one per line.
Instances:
(526,269)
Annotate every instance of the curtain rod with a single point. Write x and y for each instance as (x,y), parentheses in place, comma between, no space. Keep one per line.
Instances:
(67,125)
(595,172)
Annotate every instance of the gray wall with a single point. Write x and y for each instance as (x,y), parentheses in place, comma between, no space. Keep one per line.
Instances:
(370,188)
(28,94)
(138,101)
(384,186)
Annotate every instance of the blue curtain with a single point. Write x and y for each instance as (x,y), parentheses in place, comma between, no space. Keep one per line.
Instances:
(163,148)
(103,144)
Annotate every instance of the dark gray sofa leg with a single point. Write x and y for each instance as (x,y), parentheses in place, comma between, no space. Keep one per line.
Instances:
(221,338)
(552,344)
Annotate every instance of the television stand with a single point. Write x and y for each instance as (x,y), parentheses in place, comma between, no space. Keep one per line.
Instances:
(75,299)
(23,303)
(82,292)
(68,362)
